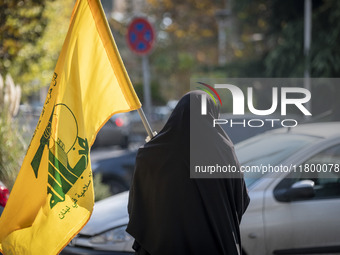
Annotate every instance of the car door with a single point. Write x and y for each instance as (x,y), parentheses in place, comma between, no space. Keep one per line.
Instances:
(307,225)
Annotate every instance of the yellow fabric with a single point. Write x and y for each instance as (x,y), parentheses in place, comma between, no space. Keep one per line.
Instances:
(52,198)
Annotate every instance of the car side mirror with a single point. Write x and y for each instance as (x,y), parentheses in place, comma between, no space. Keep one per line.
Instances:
(301,190)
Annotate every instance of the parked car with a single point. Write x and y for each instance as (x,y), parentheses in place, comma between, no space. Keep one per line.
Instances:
(115,132)
(240,130)
(289,213)
(293,212)
(286,213)
(4,194)
(116,171)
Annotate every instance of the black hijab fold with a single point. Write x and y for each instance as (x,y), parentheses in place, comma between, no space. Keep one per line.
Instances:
(171,213)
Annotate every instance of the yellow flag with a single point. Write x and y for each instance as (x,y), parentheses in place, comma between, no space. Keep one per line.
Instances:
(52,198)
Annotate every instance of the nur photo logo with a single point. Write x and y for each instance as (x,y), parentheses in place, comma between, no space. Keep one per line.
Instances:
(280,97)
(204,97)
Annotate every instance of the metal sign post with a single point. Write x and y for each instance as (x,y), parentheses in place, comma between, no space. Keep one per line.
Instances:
(146,84)
(140,38)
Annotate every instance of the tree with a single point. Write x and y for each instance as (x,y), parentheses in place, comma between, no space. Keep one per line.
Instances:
(11,151)
(187,38)
(284,55)
(280,24)
(22,23)
(31,37)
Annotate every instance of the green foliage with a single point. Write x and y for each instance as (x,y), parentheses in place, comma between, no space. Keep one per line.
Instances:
(281,24)
(32,45)
(22,23)
(325,51)
(192,20)
(287,59)
(31,36)
(157,97)
(101,190)
(11,150)
(249,67)
(188,38)
(12,143)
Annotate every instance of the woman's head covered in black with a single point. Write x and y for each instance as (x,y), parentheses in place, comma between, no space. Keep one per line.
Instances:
(171,212)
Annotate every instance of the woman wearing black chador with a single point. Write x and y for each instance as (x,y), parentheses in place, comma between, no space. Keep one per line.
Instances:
(173,214)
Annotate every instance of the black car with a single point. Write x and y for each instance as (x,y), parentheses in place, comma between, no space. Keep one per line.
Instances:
(115,132)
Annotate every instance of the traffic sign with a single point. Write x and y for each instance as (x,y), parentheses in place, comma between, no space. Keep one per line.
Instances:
(140,36)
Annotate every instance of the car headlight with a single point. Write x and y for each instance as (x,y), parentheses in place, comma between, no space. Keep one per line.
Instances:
(113,236)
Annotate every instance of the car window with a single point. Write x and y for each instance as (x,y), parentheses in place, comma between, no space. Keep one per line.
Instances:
(269,149)
(323,169)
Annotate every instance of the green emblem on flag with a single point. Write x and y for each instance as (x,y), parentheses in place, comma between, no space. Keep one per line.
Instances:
(62,175)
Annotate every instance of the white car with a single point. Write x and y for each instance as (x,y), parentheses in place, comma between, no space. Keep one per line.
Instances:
(294,212)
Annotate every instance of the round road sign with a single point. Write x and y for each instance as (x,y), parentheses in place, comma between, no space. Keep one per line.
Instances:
(140,36)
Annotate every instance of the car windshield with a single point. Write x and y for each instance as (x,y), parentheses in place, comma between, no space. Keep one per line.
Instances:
(269,149)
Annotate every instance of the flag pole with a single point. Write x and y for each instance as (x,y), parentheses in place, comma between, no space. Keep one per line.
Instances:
(146,125)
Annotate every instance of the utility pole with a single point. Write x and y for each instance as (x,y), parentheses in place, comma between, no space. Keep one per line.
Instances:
(307,43)
(223,23)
